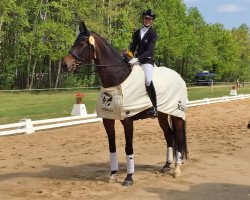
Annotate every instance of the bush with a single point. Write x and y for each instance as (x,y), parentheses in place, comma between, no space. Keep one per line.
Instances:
(72,81)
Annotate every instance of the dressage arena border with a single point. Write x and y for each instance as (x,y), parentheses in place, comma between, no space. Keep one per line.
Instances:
(28,126)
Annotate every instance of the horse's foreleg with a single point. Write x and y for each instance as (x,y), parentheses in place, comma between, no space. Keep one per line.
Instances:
(168,134)
(109,125)
(128,129)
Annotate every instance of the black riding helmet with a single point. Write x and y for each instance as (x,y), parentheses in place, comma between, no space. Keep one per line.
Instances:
(148,13)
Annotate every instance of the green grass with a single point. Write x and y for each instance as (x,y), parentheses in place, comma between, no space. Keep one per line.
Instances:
(44,105)
(41,105)
(196,93)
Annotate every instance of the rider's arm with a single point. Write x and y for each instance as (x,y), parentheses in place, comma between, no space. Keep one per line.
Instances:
(133,45)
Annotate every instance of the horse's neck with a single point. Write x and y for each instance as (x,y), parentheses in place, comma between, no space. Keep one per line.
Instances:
(112,69)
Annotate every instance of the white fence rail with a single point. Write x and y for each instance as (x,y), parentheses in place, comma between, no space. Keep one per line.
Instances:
(216,100)
(28,126)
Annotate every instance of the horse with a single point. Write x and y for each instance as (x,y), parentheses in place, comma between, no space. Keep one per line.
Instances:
(113,71)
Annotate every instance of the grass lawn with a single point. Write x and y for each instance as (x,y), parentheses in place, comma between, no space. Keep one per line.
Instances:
(196,93)
(41,105)
(44,105)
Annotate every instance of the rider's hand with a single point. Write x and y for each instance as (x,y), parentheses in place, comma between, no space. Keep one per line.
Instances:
(133,61)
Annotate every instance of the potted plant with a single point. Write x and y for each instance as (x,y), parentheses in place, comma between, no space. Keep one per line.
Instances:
(79,98)
(79,107)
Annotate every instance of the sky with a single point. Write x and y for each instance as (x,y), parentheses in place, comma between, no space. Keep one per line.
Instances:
(231,13)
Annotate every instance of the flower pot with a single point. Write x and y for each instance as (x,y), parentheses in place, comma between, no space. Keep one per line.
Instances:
(79,109)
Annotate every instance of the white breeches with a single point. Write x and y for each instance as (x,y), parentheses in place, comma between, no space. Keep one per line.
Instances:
(148,71)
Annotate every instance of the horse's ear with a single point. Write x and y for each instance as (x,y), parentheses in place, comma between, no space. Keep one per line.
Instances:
(83,29)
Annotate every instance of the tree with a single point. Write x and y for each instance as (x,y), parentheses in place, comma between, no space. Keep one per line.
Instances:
(36,34)
(227,54)
(242,37)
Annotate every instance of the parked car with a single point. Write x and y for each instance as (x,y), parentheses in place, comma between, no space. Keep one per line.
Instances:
(204,78)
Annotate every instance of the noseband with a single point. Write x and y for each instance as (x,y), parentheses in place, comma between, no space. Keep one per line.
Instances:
(78,59)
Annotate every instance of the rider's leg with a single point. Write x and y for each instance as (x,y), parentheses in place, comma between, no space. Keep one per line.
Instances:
(152,95)
(148,71)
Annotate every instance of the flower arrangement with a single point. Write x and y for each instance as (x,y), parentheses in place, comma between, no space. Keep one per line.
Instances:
(79,98)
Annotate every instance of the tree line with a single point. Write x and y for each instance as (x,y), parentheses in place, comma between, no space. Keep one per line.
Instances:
(36,34)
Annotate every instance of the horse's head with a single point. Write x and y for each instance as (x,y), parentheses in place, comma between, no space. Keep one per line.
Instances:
(82,52)
(110,67)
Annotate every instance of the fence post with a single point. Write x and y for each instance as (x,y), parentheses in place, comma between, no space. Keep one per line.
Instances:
(207,101)
(212,86)
(28,126)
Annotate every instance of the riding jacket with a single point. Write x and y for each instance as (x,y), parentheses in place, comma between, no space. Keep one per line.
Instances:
(143,48)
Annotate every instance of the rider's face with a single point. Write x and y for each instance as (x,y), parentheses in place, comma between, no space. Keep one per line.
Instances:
(147,21)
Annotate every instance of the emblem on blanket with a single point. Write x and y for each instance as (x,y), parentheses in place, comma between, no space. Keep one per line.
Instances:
(106,101)
(109,103)
(181,107)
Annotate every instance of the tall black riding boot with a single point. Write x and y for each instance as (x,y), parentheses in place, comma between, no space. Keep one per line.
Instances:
(152,95)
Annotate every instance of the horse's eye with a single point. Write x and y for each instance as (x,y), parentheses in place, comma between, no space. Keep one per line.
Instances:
(82,43)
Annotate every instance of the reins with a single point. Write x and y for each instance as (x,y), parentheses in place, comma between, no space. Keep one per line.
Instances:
(102,74)
(98,65)
(95,72)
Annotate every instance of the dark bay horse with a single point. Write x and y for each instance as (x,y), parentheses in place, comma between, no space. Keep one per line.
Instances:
(112,70)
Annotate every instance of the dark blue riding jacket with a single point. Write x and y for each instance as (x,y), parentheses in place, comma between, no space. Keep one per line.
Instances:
(144,49)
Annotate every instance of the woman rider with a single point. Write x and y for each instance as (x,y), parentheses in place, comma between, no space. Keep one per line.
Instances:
(142,46)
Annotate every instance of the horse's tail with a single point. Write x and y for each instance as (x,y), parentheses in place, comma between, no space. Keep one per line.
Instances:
(185,147)
(184,151)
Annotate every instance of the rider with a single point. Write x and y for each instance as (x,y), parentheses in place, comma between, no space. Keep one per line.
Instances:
(142,46)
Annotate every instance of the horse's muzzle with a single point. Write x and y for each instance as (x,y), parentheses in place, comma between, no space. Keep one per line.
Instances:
(68,63)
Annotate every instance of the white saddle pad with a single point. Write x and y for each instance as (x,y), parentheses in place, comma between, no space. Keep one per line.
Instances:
(130,98)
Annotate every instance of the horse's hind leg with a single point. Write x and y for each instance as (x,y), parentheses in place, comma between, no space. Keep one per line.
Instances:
(168,134)
(109,126)
(180,139)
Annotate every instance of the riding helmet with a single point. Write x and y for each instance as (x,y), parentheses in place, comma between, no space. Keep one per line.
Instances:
(148,13)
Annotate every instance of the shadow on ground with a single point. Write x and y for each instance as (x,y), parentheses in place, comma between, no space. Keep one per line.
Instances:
(86,172)
(206,191)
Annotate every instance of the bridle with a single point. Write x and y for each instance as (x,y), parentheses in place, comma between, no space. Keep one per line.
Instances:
(76,57)
(80,62)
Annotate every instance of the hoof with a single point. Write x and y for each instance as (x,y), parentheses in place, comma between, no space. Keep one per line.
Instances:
(166,168)
(128,183)
(112,179)
(177,175)
(177,172)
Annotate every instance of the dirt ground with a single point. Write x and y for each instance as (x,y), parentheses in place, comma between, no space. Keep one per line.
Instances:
(73,162)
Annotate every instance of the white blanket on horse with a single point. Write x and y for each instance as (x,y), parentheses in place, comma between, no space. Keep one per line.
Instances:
(130,98)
